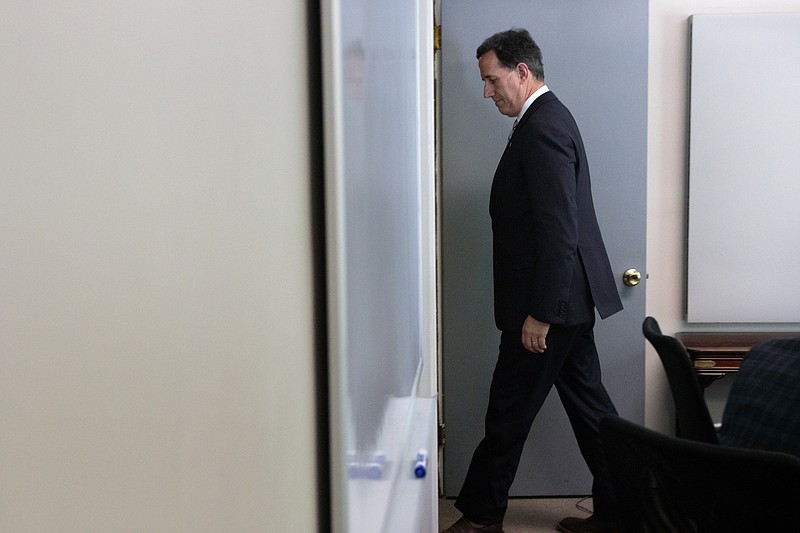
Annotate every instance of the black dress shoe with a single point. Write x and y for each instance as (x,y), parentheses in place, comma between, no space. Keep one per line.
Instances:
(466,526)
(587,525)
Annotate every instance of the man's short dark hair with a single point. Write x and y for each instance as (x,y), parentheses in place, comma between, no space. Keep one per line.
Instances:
(513,47)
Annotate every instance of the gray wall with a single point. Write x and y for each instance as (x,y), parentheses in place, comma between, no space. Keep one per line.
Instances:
(155,257)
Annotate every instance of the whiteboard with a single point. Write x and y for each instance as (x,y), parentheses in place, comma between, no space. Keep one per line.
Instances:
(744,169)
(379,183)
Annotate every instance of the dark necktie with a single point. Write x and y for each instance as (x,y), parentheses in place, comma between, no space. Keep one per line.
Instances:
(514,127)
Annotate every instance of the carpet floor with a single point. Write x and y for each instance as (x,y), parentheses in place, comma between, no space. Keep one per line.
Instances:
(526,515)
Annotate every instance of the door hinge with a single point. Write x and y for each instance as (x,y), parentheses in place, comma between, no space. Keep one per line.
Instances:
(437,38)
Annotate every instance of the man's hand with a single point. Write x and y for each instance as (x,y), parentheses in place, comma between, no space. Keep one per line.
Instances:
(534,335)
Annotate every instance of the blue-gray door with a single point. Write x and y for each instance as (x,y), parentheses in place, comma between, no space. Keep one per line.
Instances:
(595,60)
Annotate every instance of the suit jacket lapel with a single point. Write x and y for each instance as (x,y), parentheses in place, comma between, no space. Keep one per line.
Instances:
(539,102)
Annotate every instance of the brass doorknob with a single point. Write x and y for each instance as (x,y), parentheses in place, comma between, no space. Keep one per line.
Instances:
(631,277)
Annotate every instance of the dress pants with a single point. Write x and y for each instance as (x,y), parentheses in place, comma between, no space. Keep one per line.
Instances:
(520,385)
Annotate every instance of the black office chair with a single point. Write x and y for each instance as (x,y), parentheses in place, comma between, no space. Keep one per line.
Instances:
(668,484)
(693,420)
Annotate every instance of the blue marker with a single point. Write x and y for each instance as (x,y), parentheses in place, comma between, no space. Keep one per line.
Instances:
(421,464)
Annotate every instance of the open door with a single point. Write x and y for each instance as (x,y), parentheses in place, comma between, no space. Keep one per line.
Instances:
(595,57)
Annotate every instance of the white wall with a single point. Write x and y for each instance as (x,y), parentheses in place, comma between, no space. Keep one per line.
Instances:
(667,175)
(156,357)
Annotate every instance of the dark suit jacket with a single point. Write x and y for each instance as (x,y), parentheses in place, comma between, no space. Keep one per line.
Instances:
(549,258)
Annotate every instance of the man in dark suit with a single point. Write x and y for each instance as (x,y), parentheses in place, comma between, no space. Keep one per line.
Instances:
(551,271)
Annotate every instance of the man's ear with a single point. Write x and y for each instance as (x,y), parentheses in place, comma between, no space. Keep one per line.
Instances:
(522,71)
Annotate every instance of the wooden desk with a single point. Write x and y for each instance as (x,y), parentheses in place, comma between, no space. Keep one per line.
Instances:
(715,355)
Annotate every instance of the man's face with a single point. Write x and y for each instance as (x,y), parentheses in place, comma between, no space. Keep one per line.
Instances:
(501,84)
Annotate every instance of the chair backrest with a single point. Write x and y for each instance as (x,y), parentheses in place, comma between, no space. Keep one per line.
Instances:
(668,484)
(693,420)
(763,406)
